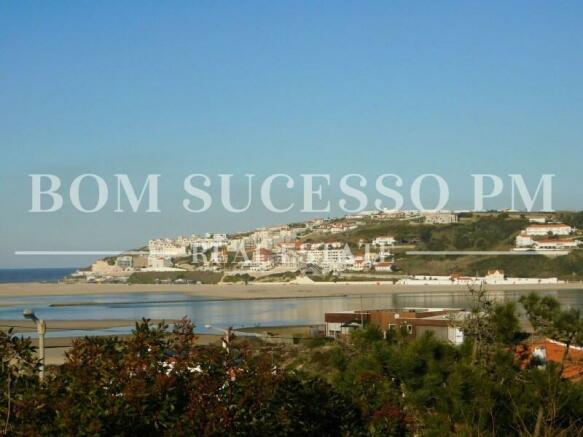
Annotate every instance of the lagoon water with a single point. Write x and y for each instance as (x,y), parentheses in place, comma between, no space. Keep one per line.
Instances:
(237,313)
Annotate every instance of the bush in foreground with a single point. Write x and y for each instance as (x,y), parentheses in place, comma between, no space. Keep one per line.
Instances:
(160,382)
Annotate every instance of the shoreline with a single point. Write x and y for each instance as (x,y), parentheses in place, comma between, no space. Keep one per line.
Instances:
(57,346)
(252,291)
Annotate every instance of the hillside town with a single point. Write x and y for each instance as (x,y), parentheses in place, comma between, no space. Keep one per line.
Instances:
(547,237)
(351,245)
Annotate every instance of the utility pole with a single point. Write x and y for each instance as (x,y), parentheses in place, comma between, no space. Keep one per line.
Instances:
(361,313)
(41,329)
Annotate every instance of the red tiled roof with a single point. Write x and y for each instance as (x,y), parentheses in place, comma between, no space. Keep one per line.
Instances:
(549,225)
(554,350)
(548,240)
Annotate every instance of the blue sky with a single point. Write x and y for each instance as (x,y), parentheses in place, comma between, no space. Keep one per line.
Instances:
(175,88)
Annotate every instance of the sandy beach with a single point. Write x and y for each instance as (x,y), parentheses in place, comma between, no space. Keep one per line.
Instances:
(251,291)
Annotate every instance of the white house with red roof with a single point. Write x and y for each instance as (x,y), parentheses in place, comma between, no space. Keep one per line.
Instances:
(262,260)
(384,267)
(551,244)
(524,240)
(540,230)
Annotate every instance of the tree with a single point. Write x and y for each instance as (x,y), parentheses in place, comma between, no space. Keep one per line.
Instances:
(549,319)
(18,379)
(425,235)
(562,325)
(461,241)
(159,381)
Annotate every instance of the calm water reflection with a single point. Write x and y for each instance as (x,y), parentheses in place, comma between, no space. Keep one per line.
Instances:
(239,313)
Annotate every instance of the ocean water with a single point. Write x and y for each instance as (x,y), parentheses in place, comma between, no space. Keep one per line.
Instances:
(237,313)
(34,275)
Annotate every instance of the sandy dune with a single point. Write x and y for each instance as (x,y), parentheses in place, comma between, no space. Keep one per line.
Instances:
(251,291)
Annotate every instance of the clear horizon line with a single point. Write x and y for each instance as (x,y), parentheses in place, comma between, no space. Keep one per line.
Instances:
(77,252)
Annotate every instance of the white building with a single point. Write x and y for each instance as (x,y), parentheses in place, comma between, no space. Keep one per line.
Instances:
(384,267)
(494,275)
(384,241)
(290,259)
(240,244)
(159,263)
(542,230)
(262,260)
(383,255)
(210,241)
(338,228)
(286,235)
(219,257)
(440,217)
(270,237)
(359,265)
(167,248)
(125,262)
(327,258)
(523,240)
(549,244)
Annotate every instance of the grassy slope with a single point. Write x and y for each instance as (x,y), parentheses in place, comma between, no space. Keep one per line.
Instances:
(494,232)
(483,233)
(486,233)
(152,277)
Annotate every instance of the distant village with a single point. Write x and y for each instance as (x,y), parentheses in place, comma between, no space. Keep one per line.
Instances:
(318,247)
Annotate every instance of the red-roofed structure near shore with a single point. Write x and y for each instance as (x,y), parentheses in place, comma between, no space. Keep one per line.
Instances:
(547,350)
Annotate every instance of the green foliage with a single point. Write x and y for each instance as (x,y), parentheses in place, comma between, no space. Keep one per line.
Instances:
(427,387)
(367,335)
(279,277)
(402,231)
(567,267)
(160,382)
(331,358)
(154,277)
(549,319)
(574,219)
(484,234)
(314,342)
(245,277)
(506,324)
(18,381)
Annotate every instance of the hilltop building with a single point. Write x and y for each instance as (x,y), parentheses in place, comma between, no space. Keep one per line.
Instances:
(545,229)
(439,217)
(387,240)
